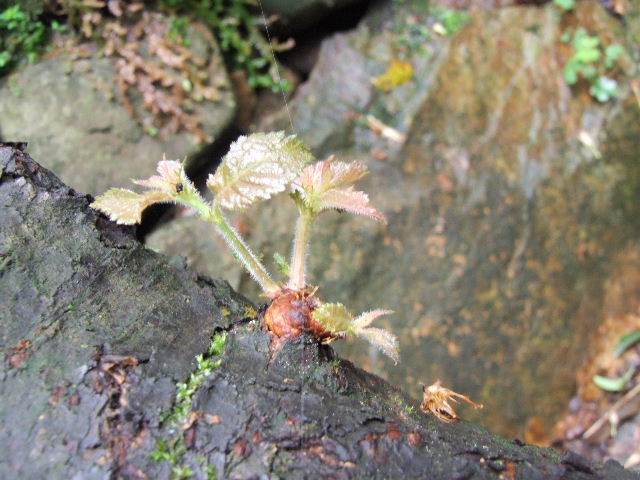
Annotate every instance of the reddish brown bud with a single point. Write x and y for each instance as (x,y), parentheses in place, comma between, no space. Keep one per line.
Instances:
(290,315)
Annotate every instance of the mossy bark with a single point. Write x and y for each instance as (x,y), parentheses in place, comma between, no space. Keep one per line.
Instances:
(98,333)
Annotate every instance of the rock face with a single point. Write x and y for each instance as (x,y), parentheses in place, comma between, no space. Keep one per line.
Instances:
(97,331)
(501,217)
(70,112)
(74,289)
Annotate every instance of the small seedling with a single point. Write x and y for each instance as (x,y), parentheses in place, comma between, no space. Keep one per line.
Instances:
(255,168)
(593,63)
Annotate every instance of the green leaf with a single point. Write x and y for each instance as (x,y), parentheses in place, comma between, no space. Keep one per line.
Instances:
(614,384)
(281,263)
(626,342)
(565,4)
(590,72)
(4,58)
(612,53)
(334,317)
(583,41)
(256,167)
(570,74)
(604,89)
(587,55)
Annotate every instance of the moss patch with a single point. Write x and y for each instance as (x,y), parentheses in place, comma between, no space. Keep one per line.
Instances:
(173,449)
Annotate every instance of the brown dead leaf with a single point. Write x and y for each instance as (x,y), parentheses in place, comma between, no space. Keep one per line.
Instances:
(436,402)
(385,131)
(19,353)
(196,416)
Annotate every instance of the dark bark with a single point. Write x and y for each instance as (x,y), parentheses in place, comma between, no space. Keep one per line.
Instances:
(97,332)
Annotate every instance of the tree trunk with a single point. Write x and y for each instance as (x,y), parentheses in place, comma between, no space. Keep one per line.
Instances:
(100,377)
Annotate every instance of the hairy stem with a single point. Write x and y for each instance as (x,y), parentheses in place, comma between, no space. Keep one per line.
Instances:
(196,202)
(300,246)
(213,213)
(242,250)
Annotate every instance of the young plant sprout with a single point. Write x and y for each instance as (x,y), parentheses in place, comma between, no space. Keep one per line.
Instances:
(255,168)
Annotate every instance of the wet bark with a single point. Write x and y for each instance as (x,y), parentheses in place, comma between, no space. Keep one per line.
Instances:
(99,334)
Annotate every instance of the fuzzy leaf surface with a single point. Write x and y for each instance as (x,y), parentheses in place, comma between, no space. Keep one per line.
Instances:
(170,185)
(334,317)
(383,340)
(172,180)
(256,167)
(170,172)
(367,318)
(337,319)
(327,185)
(125,207)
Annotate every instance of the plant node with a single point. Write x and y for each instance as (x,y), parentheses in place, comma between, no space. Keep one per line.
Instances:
(291,314)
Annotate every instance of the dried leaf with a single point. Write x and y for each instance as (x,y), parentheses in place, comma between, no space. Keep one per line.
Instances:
(256,167)
(606,425)
(125,207)
(326,185)
(385,131)
(436,401)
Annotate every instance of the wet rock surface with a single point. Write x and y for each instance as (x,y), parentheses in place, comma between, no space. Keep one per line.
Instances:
(501,219)
(76,289)
(97,331)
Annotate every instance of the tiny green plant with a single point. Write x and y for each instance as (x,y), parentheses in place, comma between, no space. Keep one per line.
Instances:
(238,31)
(255,168)
(593,63)
(449,21)
(173,449)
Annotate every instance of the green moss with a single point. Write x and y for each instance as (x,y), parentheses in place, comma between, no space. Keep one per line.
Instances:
(211,473)
(173,449)
(250,312)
